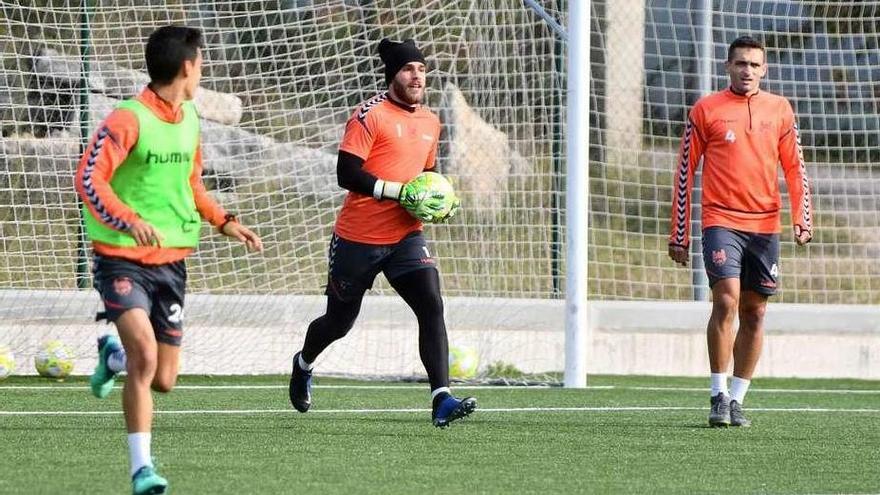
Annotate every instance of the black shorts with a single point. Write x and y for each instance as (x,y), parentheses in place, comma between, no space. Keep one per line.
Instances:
(353,266)
(753,258)
(158,290)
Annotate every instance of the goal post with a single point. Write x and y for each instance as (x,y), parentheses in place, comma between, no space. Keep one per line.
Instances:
(577,195)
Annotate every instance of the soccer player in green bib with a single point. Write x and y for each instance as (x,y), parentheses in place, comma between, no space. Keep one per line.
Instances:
(143,204)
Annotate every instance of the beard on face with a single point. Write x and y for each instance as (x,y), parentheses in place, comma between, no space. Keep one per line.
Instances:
(410,96)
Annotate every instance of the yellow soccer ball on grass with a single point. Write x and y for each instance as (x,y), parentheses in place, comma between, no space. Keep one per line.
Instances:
(463,362)
(7,362)
(54,360)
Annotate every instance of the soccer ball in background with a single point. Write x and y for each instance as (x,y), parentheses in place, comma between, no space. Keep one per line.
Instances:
(7,362)
(463,362)
(54,360)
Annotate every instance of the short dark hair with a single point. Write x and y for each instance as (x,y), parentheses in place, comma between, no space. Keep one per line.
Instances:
(167,49)
(745,42)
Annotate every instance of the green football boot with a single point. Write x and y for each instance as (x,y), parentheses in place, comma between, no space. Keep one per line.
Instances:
(146,481)
(103,378)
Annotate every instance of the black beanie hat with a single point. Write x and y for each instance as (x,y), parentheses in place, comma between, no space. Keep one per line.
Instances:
(396,54)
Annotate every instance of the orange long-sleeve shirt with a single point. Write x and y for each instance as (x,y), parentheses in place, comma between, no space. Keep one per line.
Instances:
(110,146)
(742,140)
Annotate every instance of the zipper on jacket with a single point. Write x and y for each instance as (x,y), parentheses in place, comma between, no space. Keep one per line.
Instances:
(749,105)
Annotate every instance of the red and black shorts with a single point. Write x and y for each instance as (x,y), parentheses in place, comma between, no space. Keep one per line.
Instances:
(753,258)
(158,290)
(353,266)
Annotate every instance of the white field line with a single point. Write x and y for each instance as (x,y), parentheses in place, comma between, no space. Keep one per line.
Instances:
(409,410)
(61,387)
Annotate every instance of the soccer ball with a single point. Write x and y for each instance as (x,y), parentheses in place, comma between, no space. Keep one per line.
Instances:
(433,184)
(7,362)
(54,360)
(463,362)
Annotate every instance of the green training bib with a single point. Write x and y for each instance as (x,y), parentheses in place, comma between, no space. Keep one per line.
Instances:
(154,180)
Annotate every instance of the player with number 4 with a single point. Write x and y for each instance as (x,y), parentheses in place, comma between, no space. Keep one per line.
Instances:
(389,141)
(742,135)
(140,181)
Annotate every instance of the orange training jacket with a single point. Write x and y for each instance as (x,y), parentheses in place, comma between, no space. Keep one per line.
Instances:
(742,140)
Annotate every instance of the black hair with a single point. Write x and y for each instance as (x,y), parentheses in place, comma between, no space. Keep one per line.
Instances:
(745,42)
(167,49)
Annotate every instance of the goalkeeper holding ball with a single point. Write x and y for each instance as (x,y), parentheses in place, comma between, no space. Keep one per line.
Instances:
(389,141)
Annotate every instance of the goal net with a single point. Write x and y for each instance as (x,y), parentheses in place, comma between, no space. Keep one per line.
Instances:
(280,79)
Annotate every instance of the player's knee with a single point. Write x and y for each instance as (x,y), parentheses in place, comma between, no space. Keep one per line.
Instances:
(342,326)
(163,384)
(725,306)
(333,325)
(752,316)
(141,365)
(432,305)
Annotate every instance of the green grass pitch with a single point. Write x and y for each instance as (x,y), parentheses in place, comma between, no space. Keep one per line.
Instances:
(218,435)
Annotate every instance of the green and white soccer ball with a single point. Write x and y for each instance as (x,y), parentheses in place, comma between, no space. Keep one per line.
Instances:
(437,183)
(54,360)
(7,362)
(463,362)
(435,195)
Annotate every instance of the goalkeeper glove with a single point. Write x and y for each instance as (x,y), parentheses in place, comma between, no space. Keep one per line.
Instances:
(453,209)
(416,197)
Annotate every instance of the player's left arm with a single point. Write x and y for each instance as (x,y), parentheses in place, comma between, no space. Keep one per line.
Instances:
(791,157)
(211,211)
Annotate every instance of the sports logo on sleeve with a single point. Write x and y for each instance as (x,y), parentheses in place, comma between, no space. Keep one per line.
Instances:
(370,104)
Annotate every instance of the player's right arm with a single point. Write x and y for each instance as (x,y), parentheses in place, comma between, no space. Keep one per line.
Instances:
(351,176)
(689,153)
(110,146)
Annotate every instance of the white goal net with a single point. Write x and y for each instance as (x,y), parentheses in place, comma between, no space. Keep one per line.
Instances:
(280,80)
(282,76)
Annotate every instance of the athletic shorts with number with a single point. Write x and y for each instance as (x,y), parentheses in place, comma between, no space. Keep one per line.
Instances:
(753,258)
(158,290)
(353,266)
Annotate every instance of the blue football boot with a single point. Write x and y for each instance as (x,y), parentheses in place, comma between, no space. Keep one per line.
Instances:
(448,409)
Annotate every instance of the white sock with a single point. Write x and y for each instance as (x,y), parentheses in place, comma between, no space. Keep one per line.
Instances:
(303,365)
(116,361)
(738,388)
(719,384)
(139,450)
(438,391)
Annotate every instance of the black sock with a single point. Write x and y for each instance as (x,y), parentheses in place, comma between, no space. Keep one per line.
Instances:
(421,291)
